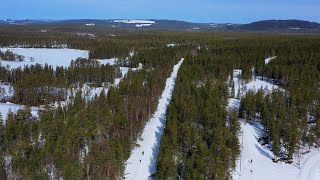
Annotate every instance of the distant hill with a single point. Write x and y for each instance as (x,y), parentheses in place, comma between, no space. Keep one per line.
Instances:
(280,25)
(154,24)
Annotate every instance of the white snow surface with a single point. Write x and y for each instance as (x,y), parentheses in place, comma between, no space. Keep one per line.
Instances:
(54,57)
(143,25)
(255,161)
(6,91)
(134,21)
(111,62)
(149,143)
(263,168)
(5,107)
(254,85)
(86,35)
(172,45)
(266,61)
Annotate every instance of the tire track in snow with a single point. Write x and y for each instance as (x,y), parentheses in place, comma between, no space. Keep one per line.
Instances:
(311,168)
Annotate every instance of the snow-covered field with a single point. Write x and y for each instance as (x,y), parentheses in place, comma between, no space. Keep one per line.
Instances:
(6,91)
(142,161)
(134,21)
(255,162)
(143,25)
(55,57)
(5,107)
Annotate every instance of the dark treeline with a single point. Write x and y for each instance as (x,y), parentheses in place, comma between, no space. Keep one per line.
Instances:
(10,56)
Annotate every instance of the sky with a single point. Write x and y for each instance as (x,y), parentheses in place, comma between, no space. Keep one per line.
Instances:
(222,11)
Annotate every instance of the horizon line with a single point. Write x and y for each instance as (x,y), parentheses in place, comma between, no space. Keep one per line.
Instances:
(66,19)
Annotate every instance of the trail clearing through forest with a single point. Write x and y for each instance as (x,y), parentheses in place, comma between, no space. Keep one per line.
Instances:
(142,161)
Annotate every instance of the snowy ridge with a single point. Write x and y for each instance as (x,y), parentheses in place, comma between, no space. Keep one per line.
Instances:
(134,21)
(142,161)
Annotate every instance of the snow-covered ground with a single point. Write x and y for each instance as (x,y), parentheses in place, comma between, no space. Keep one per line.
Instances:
(134,21)
(112,61)
(266,61)
(254,85)
(172,45)
(86,35)
(90,92)
(5,107)
(142,161)
(6,91)
(143,25)
(255,161)
(55,57)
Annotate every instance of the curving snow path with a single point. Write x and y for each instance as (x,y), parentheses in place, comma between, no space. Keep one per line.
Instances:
(310,169)
(142,161)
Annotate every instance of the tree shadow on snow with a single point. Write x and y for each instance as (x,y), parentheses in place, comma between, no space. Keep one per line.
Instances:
(264,152)
(259,132)
(156,146)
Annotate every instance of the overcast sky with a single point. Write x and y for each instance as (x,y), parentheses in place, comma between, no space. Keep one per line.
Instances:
(234,11)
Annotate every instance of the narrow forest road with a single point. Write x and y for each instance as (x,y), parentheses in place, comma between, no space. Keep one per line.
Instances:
(142,161)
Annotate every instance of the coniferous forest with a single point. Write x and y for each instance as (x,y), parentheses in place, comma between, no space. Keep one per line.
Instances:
(92,138)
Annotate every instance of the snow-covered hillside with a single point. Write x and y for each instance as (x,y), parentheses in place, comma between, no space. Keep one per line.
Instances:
(55,57)
(255,161)
(134,21)
(143,25)
(137,22)
(142,162)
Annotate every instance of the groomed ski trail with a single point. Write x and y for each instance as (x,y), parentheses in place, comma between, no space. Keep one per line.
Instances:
(142,161)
